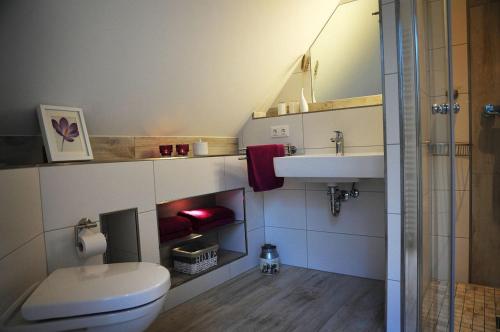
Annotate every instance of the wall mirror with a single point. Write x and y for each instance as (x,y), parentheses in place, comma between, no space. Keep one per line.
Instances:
(345,57)
(343,61)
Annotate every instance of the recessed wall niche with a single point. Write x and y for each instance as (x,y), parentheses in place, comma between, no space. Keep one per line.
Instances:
(122,236)
(230,237)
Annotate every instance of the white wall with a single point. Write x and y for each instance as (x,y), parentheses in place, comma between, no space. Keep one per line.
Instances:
(150,67)
(297,216)
(22,249)
(393,171)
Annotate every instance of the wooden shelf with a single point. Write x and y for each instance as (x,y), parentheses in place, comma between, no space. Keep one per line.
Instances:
(194,236)
(224,257)
(332,105)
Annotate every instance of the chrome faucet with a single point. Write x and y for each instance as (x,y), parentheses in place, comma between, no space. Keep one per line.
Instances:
(339,142)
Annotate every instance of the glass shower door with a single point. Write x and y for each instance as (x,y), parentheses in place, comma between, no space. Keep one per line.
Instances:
(437,160)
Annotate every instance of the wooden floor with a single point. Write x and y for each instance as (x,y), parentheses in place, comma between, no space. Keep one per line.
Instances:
(476,308)
(295,300)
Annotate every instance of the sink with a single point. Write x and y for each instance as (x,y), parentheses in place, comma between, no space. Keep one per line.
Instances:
(330,168)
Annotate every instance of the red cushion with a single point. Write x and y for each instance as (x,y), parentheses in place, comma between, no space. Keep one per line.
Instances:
(207,215)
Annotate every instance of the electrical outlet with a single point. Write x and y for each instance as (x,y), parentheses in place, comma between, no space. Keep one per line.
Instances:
(280,131)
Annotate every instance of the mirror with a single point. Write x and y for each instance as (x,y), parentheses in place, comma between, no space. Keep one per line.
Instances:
(345,57)
(343,61)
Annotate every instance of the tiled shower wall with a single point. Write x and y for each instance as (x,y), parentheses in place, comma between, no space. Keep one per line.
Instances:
(437,94)
(297,216)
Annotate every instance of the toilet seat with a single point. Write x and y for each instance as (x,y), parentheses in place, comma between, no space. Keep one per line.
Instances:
(85,290)
(110,297)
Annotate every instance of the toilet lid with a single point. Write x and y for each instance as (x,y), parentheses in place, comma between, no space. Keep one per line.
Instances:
(85,290)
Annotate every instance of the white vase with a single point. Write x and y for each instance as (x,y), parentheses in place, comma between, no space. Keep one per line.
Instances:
(304,107)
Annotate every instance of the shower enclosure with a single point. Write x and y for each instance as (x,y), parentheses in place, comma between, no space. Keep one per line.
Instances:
(449,58)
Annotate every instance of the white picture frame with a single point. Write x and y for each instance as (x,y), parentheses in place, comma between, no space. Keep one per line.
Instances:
(64,133)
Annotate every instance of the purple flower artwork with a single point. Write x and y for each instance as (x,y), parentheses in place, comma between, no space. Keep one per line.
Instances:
(66,130)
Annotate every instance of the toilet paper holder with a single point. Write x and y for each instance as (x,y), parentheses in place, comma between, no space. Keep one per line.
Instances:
(85,223)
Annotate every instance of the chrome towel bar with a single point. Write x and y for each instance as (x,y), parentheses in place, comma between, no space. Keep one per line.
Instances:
(290,150)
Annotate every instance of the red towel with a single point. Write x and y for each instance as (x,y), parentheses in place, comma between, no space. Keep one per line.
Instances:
(207,215)
(175,224)
(261,176)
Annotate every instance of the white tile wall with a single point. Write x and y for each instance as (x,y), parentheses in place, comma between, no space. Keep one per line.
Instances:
(462,199)
(393,306)
(61,250)
(148,237)
(70,193)
(21,269)
(393,179)
(462,119)
(362,216)
(254,210)
(362,256)
(182,178)
(460,68)
(361,127)
(393,164)
(285,208)
(441,181)
(441,216)
(394,247)
(391,98)
(20,206)
(389,36)
(347,149)
(22,252)
(291,244)
(235,173)
(258,131)
(255,238)
(291,183)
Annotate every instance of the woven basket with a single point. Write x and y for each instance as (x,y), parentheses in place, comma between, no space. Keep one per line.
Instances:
(194,257)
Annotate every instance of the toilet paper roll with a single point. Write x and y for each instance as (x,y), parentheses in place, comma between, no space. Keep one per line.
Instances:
(90,243)
(200,148)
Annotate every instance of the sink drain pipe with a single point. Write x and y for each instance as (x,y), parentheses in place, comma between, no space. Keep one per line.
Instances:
(336,196)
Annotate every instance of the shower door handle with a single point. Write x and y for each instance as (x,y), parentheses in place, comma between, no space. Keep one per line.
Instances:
(490,110)
(445,108)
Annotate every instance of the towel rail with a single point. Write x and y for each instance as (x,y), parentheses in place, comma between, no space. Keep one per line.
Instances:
(290,150)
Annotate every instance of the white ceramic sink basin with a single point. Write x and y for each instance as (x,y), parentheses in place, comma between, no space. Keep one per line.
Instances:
(331,168)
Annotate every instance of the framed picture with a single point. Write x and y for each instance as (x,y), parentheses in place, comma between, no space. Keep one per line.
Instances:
(64,133)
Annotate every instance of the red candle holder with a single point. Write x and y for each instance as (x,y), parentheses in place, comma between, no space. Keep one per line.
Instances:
(166,150)
(182,149)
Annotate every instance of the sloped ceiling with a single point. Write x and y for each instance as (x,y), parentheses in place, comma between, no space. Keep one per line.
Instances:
(151,67)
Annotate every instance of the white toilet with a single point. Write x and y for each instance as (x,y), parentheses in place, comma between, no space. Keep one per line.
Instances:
(125,297)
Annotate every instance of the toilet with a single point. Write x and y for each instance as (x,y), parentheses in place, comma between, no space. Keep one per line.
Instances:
(125,297)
